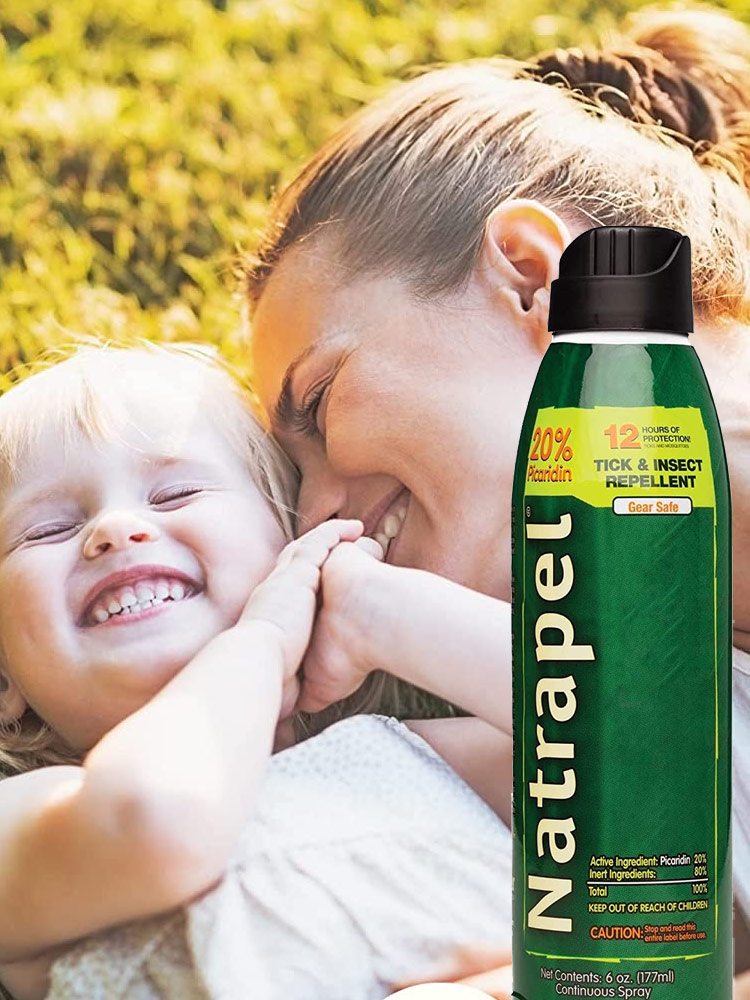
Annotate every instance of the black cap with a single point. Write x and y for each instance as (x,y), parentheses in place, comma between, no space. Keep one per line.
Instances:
(624,278)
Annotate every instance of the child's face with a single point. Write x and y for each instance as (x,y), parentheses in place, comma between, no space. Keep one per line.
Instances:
(119,560)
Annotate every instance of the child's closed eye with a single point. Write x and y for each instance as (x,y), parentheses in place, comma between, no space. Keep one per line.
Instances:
(51,531)
(175,496)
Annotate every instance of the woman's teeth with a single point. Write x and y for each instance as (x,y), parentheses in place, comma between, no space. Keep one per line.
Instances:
(391,526)
(129,600)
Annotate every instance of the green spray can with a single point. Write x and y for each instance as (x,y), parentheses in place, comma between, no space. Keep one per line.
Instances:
(622,882)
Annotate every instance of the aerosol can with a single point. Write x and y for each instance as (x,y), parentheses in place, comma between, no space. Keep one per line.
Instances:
(622,883)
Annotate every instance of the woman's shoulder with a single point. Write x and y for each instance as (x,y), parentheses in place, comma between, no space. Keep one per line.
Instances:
(740,662)
(740,703)
(741,693)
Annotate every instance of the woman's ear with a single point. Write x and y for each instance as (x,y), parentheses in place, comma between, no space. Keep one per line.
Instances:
(520,258)
(12,702)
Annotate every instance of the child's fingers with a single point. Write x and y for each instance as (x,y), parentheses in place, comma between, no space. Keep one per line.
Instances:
(498,983)
(481,968)
(287,595)
(439,991)
(369,545)
(315,546)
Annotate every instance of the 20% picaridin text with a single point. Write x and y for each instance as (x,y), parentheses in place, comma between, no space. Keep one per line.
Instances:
(545,440)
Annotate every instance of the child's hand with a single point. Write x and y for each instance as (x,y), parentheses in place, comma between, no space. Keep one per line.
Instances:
(336,662)
(742,986)
(488,971)
(417,626)
(287,598)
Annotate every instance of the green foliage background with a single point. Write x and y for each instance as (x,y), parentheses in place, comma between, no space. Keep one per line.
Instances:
(141,140)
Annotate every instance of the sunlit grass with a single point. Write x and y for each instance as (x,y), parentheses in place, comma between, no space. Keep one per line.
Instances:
(140,140)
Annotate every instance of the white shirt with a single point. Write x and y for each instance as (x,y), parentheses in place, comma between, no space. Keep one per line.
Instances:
(368,863)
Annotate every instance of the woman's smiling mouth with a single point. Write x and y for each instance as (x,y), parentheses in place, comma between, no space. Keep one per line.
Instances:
(131,595)
(389,524)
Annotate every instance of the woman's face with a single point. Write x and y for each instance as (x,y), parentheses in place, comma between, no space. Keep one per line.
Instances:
(403,413)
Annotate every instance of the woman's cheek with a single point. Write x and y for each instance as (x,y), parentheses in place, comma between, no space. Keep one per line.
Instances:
(347,445)
(367,432)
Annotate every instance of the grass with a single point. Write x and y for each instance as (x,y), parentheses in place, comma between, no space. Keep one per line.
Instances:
(141,140)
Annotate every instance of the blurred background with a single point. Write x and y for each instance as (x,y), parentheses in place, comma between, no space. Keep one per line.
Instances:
(141,140)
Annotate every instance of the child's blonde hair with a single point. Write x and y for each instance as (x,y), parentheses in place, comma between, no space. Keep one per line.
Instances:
(86,391)
(653,128)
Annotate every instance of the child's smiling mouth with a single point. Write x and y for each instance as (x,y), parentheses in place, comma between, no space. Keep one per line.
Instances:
(137,593)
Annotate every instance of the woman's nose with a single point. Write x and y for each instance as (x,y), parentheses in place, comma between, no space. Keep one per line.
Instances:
(117,529)
(322,495)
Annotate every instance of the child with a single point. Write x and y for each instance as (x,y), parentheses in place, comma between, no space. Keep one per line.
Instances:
(148,845)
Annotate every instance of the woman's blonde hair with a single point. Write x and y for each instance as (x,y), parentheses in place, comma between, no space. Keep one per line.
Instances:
(86,390)
(653,128)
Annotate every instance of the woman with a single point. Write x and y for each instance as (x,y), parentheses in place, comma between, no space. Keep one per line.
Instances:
(400,300)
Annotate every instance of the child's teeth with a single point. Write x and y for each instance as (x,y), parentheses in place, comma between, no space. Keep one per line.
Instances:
(142,596)
(401,514)
(391,526)
(381,539)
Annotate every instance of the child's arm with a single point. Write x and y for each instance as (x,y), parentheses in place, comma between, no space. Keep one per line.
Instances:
(150,818)
(445,638)
(83,848)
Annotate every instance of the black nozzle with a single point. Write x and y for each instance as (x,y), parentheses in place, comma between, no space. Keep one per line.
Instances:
(624,278)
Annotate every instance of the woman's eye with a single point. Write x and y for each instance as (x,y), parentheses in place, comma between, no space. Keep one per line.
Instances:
(320,412)
(174,494)
(56,531)
(310,417)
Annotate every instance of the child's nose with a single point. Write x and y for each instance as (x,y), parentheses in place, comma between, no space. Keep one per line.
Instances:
(117,529)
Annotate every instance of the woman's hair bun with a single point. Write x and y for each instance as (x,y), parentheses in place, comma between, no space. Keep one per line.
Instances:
(639,84)
(686,70)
